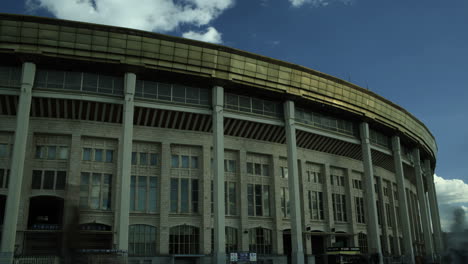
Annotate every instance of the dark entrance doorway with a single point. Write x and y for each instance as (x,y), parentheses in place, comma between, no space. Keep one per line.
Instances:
(341,241)
(186,260)
(318,248)
(287,244)
(45,218)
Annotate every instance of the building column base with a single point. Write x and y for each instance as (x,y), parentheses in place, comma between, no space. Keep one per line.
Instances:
(297,257)
(6,257)
(219,258)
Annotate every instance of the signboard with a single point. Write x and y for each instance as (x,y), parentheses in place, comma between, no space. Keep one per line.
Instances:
(343,250)
(243,257)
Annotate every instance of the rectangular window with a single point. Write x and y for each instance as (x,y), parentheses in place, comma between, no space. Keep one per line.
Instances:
(86,154)
(285,207)
(316,205)
(265,170)
(194,162)
(4,177)
(143,158)
(185,162)
(284,172)
(48,180)
(360,215)
(51,152)
(4,150)
(175,161)
(63,153)
(98,155)
(339,207)
(258,200)
(250,169)
(230,198)
(109,156)
(134,158)
(95,191)
(184,195)
(40,152)
(389,214)
(230,166)
(154,159)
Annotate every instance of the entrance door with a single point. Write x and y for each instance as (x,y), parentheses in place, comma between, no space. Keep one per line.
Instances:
(318,248)
(287,244)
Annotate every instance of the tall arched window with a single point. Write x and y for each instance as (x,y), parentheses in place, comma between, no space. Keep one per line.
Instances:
(184,239)
(142,240)
(260,240)
(362,240)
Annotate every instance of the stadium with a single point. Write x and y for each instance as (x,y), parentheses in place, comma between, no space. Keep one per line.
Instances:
(145,148)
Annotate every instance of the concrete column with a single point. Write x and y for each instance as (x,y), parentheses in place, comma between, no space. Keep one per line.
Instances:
(423,206)
(293,178)
(17,164)
(403,203)
(372,220)
(125,162)
(164,202)
(219,255)
(433,208)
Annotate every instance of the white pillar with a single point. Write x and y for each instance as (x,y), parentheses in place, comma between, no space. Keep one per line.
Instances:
(434,208)
(218,181)
(125,162)
(372,221)
(403,204)
(423,206)
(17,164)
(293,178)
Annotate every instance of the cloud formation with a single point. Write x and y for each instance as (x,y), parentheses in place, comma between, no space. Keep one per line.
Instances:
(211,35)
(317,3)
(451,194)
(149,15)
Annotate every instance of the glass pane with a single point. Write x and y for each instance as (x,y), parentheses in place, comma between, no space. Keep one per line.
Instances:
(109,155)
(185,161)
(194,196)
(164,91)
(36,179)
(143,158)
(141,193)
(40,151)
(61,178)
(90,81)
(49,180)
(98,155)
(258,169)
(178,93)
(250,199)
(154,159)
(51,152)
(175,161)
(132,192)
(134,158)
(153,195)
(266,200)
(249,167)
(258,200)
(174,195)
(87,154)
(63,153)
(232,166)
(266,170)
(194,162)
(184,195)
(73,81)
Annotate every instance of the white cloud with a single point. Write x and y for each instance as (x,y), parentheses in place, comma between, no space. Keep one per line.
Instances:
(211,35)
(149,15)
(317,3)
(451,194)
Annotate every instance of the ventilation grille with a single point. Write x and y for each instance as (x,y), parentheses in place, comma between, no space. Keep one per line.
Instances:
(254,130)
(383,160)
(172,119)
(8,104)
(329,145)
(76,109)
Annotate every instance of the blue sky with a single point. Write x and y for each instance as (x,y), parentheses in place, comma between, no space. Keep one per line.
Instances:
(411,52)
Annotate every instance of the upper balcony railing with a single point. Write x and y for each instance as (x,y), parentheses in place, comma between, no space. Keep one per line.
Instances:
(10,76)
(253,105)
(326,122)
(79,82)
(173,93)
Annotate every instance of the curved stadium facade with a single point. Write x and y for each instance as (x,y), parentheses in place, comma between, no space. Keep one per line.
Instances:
(117,142)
